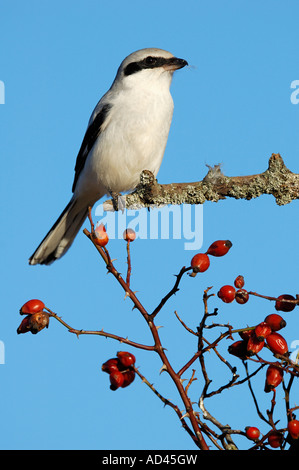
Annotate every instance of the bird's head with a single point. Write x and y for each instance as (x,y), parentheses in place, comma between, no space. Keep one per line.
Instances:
(147,65)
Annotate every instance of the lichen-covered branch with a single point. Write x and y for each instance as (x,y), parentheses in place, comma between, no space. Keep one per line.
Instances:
(277,180)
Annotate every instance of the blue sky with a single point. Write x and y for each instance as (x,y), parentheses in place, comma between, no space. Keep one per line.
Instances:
(232,106)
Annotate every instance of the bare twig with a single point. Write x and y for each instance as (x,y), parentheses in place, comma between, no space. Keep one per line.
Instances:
(129,270)
(167,403)
(99,333)
(184,325)
(173,291)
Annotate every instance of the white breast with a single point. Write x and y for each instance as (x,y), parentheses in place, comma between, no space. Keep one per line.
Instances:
(133,139)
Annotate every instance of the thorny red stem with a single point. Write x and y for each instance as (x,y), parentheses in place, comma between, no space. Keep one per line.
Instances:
(157,342)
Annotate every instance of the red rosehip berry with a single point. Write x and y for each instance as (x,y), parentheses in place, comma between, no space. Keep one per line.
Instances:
(127,359)
(242,296)
(252,433)
(275,321)
(200,262)
(227,294)
(129,235)
(100,236)
(239,349)
(277,343)
(129,376)
(275,439)
(34,322)
(32,306)
(219,248)
(245,334)
(111,365)
(274,376)
(285,306)
(239,282)
(262,330)
(254,346)
(116,380)
(24,327)
(293,428)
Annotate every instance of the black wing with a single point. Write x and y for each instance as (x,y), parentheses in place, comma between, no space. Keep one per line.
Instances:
(92,133)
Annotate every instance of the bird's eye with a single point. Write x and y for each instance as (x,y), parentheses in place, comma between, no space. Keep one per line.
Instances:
(150,60)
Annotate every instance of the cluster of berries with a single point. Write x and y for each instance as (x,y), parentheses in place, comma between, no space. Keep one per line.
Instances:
(254,339)
(100,236)
(275,438)
(120,370)
(236,292)
(36,319)
(201,261)
(228,293)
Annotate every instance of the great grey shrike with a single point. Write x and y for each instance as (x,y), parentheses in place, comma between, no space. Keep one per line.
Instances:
(126,134)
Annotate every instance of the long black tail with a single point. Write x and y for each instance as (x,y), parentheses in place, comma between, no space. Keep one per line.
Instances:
(59,239)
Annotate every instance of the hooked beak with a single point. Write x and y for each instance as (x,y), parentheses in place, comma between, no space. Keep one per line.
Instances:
(174,64)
